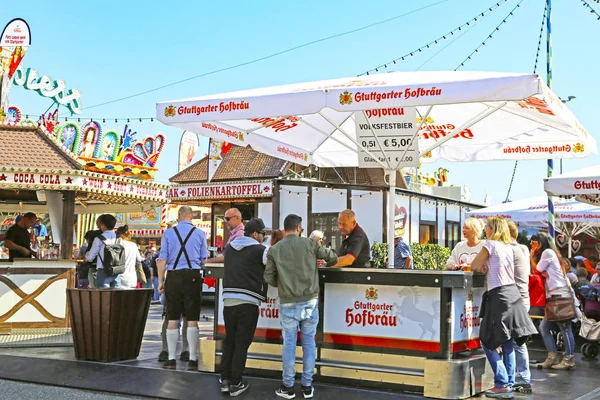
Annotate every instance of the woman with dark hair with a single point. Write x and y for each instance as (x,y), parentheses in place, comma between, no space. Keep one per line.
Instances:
(548,263)
(276,236)
(129,278)
(503,312)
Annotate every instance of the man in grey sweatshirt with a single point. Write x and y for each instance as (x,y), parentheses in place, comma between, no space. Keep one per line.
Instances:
(292,268)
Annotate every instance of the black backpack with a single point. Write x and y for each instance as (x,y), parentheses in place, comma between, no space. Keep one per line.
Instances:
(114,257)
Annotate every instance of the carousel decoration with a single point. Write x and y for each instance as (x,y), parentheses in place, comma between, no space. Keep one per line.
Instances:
(97,148)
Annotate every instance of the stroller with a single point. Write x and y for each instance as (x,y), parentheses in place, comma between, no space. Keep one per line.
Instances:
(590,321)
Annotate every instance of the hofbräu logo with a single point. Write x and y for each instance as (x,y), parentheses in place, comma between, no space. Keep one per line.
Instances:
(370,313)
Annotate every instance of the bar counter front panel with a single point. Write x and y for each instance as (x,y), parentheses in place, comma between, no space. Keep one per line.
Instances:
(33,294)
(404,312)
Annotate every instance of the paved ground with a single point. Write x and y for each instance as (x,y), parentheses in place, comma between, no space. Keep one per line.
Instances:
(29,391)
(58,376)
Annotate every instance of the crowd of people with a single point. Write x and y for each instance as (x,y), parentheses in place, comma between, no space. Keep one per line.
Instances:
(517,279)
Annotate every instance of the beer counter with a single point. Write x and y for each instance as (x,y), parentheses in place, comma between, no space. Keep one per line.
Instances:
(415,330)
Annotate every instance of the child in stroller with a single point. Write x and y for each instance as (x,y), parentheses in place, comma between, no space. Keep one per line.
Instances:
(590,321)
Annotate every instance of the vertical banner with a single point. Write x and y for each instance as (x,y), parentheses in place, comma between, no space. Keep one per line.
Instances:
(217,150)
(187,149)
(14,42)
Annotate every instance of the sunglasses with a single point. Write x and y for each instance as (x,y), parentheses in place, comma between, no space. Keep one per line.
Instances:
(228,218)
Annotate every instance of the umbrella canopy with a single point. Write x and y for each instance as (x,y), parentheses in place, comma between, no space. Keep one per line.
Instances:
(460,116)
(581,182)
(535,211)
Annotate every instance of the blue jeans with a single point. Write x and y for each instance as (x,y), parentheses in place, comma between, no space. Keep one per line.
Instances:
(155,284)
(522,357)
(303,316)
(107,282)
(502,365)
(567,334)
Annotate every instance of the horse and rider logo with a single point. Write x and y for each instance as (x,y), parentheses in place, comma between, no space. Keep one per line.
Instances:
(409,309)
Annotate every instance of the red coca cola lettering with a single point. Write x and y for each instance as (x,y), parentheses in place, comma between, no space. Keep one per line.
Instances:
(24,178)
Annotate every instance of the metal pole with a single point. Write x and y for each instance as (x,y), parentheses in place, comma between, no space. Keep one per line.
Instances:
(390,218)
(551,224)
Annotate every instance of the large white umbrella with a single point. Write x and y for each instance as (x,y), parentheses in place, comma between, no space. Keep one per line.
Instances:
(374,121)
(582,182)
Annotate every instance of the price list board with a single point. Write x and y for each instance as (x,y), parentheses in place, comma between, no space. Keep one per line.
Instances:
(395,128)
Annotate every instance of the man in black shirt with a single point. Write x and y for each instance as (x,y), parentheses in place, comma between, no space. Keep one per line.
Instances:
(355,249)
(18,240)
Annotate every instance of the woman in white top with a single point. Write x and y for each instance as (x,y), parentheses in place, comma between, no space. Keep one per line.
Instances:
(465,251)
(132,258)
(549,264)
(596,277)
(503,313)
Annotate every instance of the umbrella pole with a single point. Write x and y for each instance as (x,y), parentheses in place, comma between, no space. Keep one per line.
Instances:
(551,224)
(390,218)
(570,247)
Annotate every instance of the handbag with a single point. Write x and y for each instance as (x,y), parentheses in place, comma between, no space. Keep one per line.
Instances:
(560,309)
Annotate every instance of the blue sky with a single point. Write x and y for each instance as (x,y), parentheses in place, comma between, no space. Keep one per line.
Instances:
(127,47)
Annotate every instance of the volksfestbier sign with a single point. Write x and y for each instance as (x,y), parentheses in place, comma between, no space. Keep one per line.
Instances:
(222,191)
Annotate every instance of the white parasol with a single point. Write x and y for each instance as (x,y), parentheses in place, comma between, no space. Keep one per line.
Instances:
(458,116)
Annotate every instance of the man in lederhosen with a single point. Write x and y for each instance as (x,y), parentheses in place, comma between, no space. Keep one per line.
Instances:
(181,256)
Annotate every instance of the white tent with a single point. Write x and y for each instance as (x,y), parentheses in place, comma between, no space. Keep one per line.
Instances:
(374,121)
(584,183)
(572,217)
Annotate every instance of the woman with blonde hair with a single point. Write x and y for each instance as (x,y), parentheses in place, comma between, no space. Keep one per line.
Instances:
(504,317)
(465,251)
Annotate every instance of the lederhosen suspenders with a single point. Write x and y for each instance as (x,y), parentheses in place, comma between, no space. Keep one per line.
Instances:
(183,250)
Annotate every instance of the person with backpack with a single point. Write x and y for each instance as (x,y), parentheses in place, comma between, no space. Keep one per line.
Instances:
(182,253)
(109,254)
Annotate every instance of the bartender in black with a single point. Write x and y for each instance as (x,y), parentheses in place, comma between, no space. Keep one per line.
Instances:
(354,251)
(18,239)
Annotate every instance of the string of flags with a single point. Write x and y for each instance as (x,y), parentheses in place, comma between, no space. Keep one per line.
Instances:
(435,42)
(490,36)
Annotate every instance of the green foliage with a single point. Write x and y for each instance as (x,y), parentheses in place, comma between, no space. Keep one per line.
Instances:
(522,239)
(379,255)
(429,256)
(425,256)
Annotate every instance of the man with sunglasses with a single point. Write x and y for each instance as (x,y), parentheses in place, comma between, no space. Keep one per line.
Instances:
(233,222)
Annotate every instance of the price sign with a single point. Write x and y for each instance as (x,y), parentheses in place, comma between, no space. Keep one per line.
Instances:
(395,128)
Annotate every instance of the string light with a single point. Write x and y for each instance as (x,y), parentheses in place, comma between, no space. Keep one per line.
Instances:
(539,47)
(435,42)
(490,36)
(589,7)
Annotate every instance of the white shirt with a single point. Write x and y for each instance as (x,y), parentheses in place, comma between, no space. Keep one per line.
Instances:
(549,262)
(98,248)
(501,265)
(595,279)
(132,255)
(463,253)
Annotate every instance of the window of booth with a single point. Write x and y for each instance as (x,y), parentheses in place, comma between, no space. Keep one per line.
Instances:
(427,233)
(220,233)
(327,222)
(452,234)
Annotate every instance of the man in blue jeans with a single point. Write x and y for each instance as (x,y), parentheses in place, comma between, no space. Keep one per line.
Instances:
(292,268)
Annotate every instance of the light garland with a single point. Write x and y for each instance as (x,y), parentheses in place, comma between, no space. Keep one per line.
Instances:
(589,7)
(435,42)
(490,36)
(539,46)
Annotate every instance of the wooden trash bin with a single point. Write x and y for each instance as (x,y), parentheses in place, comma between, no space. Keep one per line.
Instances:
(108,324)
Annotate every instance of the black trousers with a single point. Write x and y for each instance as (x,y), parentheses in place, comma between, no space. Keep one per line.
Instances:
(240,324)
